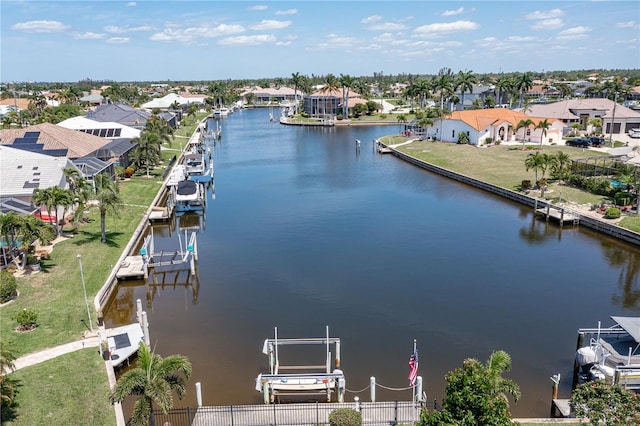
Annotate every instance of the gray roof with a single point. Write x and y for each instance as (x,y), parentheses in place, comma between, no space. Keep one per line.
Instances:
(22,171)
(16,205)
(115,149)
(90,166)
(120,113)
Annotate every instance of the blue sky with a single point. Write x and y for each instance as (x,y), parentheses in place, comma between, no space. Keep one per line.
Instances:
(217,40)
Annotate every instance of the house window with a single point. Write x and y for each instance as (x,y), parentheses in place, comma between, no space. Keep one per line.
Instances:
(528,132)
(453,133)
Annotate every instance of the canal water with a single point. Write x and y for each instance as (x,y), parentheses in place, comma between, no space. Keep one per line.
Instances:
(305,231)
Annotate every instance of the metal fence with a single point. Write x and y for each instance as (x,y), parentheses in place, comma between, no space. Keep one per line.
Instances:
(312,414)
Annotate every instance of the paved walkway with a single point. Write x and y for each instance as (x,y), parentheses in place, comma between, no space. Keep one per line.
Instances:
(47,354)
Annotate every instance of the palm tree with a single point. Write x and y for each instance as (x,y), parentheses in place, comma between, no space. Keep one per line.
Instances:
(296,80)
(503,86)
(159,125)
(363,88)
(425,123)
(346,81)
(45,197)
(444,84)
(543,125)
(533,162)
(153,380)
(465,81)
(524,124)
(498,363)
(562,160)
(523,84)
(20,231)
(596,123)
(108,197)
(148,151)
(8,384)
(331,84)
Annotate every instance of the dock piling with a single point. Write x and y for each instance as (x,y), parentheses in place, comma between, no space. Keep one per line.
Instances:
(372,388)
(199,394)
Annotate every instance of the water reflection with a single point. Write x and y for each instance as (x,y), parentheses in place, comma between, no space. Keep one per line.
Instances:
(628,263)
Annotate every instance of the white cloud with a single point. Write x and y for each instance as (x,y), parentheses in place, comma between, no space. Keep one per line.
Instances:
(250,40)
(628,24)
(88,36)
(547,24)
(334,41)
(268,24)
(445,27)
(189,35)
(287,12)
(118,40)
(258,7)
(575,33)
(41,26)
(458,11)
(371,19)
(121,30)
(510,44)
(131,4)
(542,14)
(386,26)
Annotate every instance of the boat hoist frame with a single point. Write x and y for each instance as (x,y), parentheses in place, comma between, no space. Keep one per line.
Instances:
(278,384)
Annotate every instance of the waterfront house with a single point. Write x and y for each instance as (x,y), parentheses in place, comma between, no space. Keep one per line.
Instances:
(120,113)
(483,126)
(271,95)
(581,110)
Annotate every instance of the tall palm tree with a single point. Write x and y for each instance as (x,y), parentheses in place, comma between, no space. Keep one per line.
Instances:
(465,81)
(331,84)
(108,197)
(503,86)
(346,81)
(524,124)
(362,87)
(543,125)
(444,84)
(533,162)
(45,197)
(296,80)
(153,381)
(159,125)
(523,84)
(562,161)
(148,150)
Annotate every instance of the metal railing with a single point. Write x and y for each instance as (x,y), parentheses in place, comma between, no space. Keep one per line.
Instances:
(311,414)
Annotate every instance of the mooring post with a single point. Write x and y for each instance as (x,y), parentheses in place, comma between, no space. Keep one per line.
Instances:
(338,354)
(265,392)
(418,389)
(357,403)
(535,204)
(372,388)
(561,217)
(554,392)
(139,311)
(548,211)
(199,393)
(145,329)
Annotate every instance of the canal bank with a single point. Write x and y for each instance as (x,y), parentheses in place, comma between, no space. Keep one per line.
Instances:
(601,226)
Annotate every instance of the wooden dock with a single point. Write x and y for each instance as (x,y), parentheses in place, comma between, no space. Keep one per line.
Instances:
(131,267)
(558,214)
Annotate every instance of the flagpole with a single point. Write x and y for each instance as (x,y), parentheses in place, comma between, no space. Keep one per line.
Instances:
(414,388)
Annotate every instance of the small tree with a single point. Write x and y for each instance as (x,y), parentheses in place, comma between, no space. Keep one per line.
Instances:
(345,417)
(605,404)
(8,286)
(27,319)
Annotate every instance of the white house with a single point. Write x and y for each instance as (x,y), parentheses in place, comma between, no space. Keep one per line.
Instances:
(494,124)
(165,102)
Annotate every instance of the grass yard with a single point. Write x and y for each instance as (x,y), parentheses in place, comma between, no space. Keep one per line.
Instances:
(70,390)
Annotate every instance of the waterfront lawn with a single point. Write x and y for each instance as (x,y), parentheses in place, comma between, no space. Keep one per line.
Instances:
(70,390)
(56,291)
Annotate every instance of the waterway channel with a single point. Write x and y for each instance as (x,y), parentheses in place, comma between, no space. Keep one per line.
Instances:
(305,231)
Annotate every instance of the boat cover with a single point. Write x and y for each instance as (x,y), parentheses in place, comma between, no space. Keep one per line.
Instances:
(631,325)
(186,187)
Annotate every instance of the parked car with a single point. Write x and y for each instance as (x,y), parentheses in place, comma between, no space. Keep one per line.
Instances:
(579,142)
(634,133)
(596,141)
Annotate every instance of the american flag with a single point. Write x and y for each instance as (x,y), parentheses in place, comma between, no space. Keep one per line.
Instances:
(413,366)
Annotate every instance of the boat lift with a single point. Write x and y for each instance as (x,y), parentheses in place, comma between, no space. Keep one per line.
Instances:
(186,254)
(278,384)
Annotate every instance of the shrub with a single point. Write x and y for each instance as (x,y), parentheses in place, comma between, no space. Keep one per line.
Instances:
(623,198)
(128,172)
(32,259)
(612,213)
(383,116)
(488,140)
(304,114)
(8,286)
(339,117)
(463,138)
(345,417)
(526,184)
(27,318)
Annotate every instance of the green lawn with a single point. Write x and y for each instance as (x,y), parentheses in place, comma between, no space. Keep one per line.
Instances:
(503,166)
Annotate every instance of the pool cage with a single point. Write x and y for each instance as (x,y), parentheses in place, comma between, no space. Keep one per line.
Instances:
(600,166)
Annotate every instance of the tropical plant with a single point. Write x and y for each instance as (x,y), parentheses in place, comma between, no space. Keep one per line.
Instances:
(605,404)
(296,80)
(148,149)
(20,231)
(346,81)
(444,83)
(524,124)
(27,319)
(543,125)
(558,168)
(464,139)
(533,162)
(596,123)
(108,197)
(153,381)
(523,84)
(576,128)
(476,394)
(464,81)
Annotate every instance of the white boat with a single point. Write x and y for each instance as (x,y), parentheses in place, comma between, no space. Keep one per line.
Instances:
(198,166)
(612,354)
(185,195)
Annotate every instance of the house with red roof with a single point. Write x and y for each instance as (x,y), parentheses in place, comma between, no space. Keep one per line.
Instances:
(484,126)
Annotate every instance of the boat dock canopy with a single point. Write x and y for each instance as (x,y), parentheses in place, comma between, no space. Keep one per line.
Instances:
(631,326)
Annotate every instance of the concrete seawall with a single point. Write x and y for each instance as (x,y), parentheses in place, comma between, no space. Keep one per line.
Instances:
(609,229)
